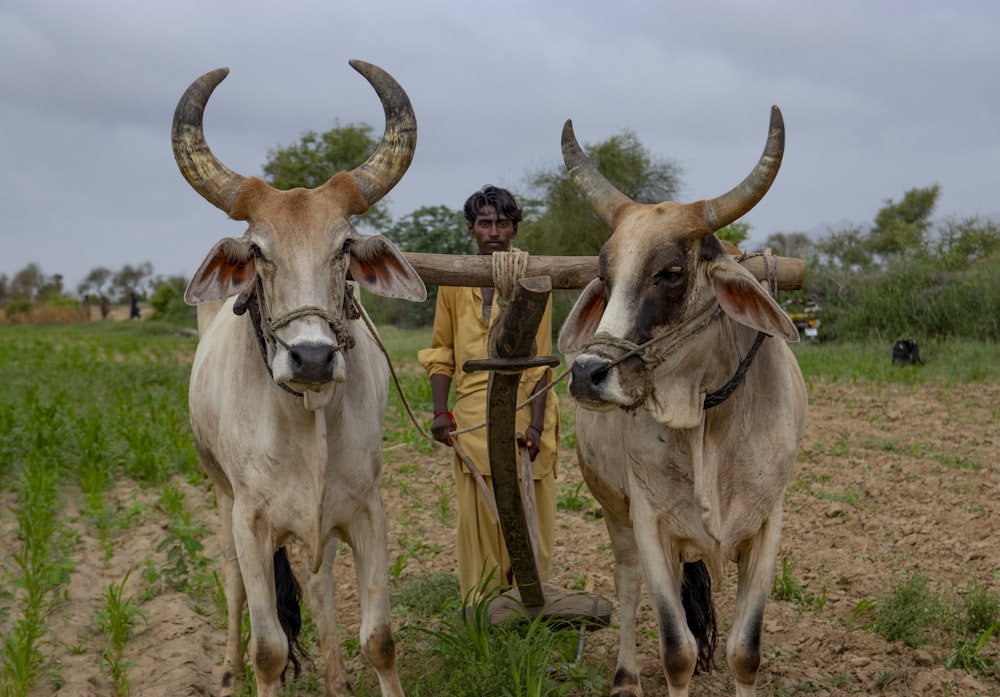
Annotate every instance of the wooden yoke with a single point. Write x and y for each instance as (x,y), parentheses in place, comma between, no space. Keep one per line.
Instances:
(571,272)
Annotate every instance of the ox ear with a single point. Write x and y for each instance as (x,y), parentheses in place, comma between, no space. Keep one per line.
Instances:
(583,319)
(229,269)
(744,299)
(379,267)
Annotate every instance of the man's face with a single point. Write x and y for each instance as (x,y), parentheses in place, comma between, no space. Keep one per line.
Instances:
(492,234)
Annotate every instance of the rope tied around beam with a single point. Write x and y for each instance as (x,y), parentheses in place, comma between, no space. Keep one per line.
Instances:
(508,268)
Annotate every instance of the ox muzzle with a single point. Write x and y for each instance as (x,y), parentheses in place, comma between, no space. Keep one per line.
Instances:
(310,362)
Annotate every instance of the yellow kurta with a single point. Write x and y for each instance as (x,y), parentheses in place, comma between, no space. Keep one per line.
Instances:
(460,335)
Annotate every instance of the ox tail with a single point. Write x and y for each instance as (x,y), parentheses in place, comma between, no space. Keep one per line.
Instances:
(289,596)
(696,596)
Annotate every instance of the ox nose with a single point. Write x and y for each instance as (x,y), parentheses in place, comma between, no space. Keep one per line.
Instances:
(312,362)
(587,376)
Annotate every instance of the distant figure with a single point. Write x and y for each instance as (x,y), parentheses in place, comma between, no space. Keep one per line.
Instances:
(104,307)
(134,312)
(906,352)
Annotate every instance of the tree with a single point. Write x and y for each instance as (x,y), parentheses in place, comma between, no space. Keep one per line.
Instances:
(431,229)
(130,279)
(318,156)
(902,227)
(26,282)
(790,244)
(565,223)
(736,233)
(962,242)
(94,282)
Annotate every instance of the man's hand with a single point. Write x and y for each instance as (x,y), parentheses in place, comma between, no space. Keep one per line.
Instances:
(531,439)
(443,425)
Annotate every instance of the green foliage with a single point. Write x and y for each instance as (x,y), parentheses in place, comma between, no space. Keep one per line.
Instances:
(186,568)
(465,655)
(786,586)
(901,228)
(430,230)
(116,620)
(918,299)
(318,156)
(558,221)
(168,303)
(914,614)
(895,281)
(131,279)
(736,233)
(909,615)
(567,224)
(968,654)
(949,361)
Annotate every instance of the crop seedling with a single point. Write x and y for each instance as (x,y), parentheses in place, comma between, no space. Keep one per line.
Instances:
(116,620)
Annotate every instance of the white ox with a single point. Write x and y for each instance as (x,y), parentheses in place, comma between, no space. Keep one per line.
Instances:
(287,401)
(667,330)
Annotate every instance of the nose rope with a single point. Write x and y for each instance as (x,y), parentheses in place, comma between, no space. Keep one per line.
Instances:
(338,325)
(652,358)
(264,326)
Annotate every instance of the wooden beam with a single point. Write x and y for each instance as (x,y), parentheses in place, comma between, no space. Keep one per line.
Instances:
(566,272)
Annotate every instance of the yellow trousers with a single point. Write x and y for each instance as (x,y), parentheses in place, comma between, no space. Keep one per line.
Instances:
(480,546)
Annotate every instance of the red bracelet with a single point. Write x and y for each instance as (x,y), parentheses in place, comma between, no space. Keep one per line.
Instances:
(451,417)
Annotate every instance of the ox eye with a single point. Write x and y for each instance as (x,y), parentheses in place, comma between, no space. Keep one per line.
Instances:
(671,275)
(346,249)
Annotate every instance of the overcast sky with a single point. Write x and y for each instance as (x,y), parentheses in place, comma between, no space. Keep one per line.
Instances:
(878,97)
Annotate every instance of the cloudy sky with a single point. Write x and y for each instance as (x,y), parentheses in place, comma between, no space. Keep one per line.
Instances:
(878,97)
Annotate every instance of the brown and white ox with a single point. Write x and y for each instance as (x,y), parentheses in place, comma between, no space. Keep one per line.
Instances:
(287,400)
(689,479)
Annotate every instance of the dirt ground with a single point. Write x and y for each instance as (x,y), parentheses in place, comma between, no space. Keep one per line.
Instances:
(891,479)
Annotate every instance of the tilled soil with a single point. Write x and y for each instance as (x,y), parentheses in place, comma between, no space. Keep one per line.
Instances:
(892,480)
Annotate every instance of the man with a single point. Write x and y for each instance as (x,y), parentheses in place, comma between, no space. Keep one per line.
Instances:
(461,322)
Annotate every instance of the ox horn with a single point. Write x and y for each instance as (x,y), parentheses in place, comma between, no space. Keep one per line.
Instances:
(204,172)
(605,199)
(377,175)
(723,210)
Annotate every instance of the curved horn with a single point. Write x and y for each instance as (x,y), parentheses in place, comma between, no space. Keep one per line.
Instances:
(595,187)
(720,212)
(379,173)
(213,180)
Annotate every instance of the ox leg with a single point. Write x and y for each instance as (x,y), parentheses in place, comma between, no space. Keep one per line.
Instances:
(320,595)
(369,542)
(233,667)
(628,584)
(755,573)
(663,572)
(268,644)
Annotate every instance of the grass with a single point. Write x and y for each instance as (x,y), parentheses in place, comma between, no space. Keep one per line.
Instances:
(917,615)
(953,362)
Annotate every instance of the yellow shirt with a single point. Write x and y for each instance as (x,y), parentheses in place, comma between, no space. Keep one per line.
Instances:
(459,336)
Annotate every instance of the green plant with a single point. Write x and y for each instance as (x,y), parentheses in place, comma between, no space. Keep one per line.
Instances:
(186,565)
(41,567)
(116,620)
(908,615)
(786,586)
(968,654)
(573,498)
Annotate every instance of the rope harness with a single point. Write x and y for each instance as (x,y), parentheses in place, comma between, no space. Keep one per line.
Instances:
(264,326)
(508,268)
(651,357)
